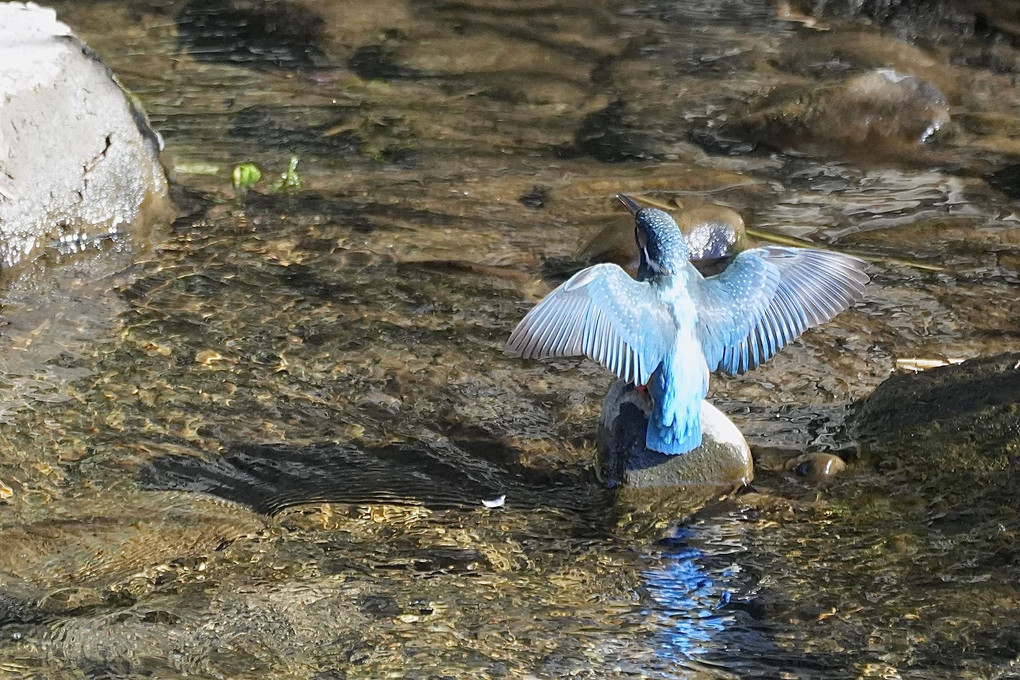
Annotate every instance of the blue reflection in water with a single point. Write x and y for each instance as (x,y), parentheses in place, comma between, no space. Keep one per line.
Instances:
(691,598)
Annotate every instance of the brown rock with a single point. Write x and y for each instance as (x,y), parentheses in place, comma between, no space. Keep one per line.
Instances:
(878,113)
(654,490)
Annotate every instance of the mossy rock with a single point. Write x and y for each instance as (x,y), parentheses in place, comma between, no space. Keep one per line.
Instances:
(953,433)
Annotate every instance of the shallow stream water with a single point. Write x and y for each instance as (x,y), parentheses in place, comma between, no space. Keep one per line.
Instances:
(261,444)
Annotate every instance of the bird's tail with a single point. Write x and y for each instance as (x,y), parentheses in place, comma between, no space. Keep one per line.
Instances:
(681,436)
(674,426)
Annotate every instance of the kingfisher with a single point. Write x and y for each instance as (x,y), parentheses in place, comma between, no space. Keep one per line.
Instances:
(670,328)
(713,233)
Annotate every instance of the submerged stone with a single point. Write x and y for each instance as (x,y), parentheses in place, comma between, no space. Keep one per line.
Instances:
(655,490)
(262,33)
(876,113)
(608,136)
(818,469)
(78,161)
(376,62)
(1006,180)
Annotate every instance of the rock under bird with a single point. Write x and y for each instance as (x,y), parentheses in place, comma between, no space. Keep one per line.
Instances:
(672,327)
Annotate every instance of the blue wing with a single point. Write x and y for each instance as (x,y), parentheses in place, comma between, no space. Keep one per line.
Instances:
(728,304)
(769,296)
(604,314)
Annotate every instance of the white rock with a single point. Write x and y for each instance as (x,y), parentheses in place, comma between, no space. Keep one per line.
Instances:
(77,159)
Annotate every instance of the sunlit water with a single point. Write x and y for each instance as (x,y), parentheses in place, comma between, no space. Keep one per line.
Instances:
(264,449)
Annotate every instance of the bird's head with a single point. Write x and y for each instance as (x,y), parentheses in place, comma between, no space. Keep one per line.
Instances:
(663,248)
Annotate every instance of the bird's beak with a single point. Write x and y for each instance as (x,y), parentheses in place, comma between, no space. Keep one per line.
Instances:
(629,203)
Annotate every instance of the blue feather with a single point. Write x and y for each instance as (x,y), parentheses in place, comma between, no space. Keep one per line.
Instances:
(672,327)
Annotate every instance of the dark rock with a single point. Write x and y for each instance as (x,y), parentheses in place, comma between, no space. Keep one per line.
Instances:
(953,396)
(257,33)
(954,431)
(925,19)
(535,198)
(20,602)
(1006,180)
(380,606)
(912,14)
(996,15)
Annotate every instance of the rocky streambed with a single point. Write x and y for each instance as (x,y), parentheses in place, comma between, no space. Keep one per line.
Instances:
(280,436)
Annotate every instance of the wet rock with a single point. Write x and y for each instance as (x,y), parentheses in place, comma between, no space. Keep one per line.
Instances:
(832,55)
(481,60)
(78,160)
(713,231)
(298,36)
(653,490)
(954,432)
(1002,15)
(379,402)
(1006,180)
(485,50)
(350,23)
(817,469)
(879,113)
(536,197)
(232,632)
(382,606)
